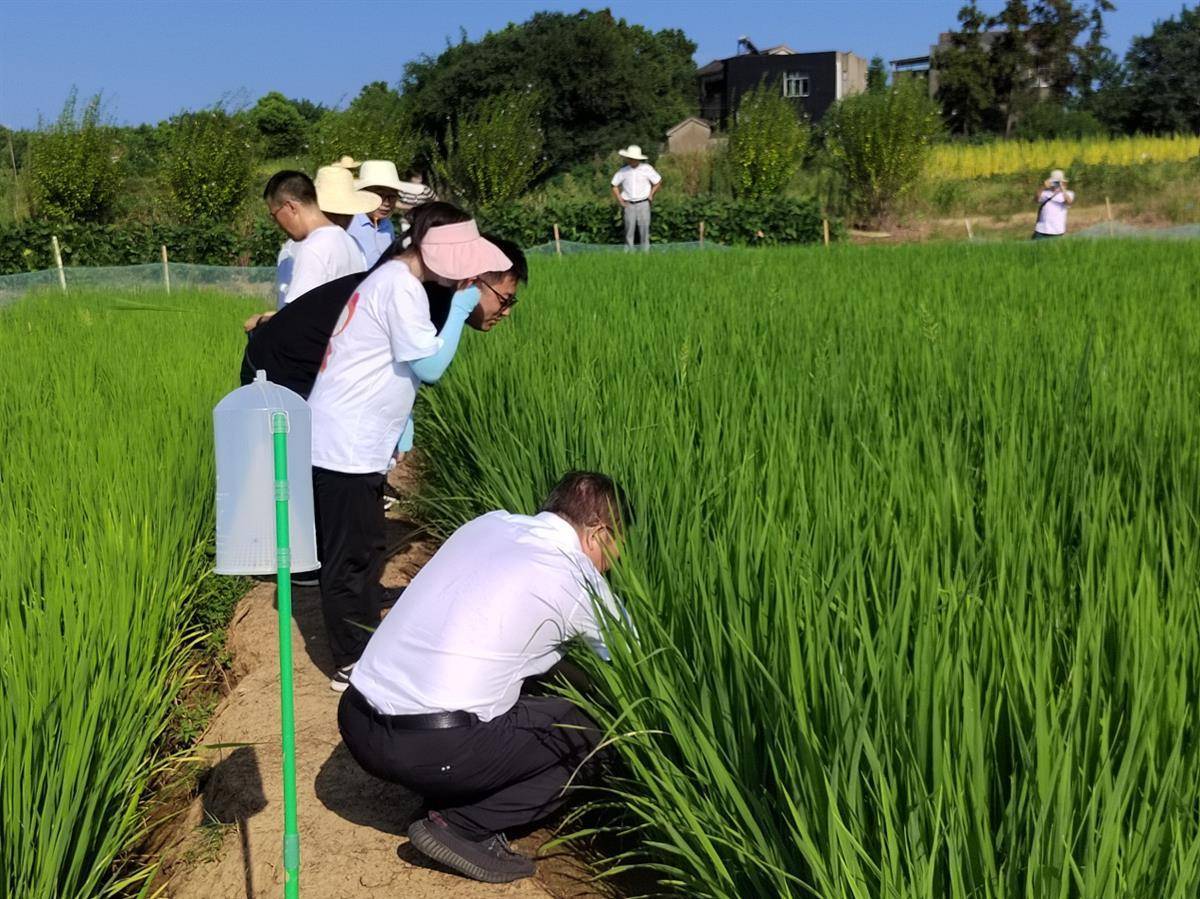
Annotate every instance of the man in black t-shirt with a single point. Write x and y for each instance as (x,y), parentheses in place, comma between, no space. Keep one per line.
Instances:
(290,345)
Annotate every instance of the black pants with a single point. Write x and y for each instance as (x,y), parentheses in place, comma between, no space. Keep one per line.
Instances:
(485,777)
(352,547)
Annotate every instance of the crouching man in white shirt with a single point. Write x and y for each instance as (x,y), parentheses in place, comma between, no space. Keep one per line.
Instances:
(435,701)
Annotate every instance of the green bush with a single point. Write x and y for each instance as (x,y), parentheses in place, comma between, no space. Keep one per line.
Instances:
(26,247)
(280,126)
(780,220)
(374,126)
(767,143)
(74,166)
(1049,121)
(494,153)
(880,143)
(207,165)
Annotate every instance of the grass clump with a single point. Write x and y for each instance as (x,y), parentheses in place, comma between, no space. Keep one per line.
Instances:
(106,493)
(916,558)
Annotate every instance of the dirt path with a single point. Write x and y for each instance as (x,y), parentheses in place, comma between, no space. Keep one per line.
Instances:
(228,845)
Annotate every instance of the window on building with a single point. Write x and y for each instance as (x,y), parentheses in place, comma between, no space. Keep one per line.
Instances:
(795,85)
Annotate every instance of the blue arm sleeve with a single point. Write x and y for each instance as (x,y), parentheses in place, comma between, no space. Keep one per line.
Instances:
(431,368)
(405,443)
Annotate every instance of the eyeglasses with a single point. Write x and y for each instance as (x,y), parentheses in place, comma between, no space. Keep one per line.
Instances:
(506,302)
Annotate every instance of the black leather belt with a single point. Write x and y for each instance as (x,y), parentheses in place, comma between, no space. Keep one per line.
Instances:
(430,721)
(635,202)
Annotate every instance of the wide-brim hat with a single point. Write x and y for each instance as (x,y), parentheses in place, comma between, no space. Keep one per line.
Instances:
(378,173)
(633,151)
(336,193)
(347,162)
(1058,175)
(457,252)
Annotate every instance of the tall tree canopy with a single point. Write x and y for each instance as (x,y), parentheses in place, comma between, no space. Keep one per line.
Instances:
(965,88)
(1163,72)
(606,82)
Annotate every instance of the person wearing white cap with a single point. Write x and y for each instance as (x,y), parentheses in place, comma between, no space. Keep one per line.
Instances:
(382,348)
(635,185)
(373,231)
(1053,199)
(314,216)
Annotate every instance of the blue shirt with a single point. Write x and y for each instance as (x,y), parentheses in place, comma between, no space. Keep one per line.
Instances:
(371,240)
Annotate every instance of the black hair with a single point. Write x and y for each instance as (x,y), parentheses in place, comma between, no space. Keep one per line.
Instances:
(587,498)
(520,266)
(290,185)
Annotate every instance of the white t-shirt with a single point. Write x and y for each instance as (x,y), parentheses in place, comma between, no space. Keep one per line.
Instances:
(326,254)
(492,607)
(1053,217)
(365,389)
(635,183)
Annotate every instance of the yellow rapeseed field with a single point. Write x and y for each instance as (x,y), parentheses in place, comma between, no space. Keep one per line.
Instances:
(1006,157)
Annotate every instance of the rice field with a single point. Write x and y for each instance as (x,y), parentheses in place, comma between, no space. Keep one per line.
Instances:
(915,564)
(914,571)
(106,493)
(954,161)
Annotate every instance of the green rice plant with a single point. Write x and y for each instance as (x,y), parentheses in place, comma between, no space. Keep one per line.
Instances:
(105,507)
(914,570)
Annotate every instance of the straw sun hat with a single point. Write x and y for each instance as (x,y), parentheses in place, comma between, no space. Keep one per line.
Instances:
(633,151)
(336,193)
(1057,175)
(348,162)
(378,173)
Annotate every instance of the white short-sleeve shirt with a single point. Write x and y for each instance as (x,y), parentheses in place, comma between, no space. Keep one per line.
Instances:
(327,253)
(494,606)
(365,389)
(635,183)
(1053,217)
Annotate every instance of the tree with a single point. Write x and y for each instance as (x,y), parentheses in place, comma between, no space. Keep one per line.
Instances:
(279,124)
(1164,76)
(965,88)
(767,143)
(309,111)
(607,82)
(876,75)
(1011,63)
(880,144)
(493,153)
(1054,29)
(376,125)
(74,165)
(208,165)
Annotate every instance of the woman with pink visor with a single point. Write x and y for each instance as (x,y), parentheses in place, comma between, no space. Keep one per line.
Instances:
(381,350)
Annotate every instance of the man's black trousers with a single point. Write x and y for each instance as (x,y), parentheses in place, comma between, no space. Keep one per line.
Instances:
(485,777)
(352,548)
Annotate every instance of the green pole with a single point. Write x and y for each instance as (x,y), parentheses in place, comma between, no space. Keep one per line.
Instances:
(283,583)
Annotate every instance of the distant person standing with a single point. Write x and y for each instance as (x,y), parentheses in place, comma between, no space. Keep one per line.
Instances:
(315,222)
(635,185)
(373,231)
(1053,200)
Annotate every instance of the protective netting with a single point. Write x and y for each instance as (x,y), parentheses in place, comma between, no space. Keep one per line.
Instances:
(1122,229)
(248,280)
(567,247)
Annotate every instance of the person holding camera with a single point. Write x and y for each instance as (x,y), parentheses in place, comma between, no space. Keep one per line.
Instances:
(1053,198)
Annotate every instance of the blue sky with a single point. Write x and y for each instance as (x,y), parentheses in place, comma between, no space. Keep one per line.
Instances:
(153,58)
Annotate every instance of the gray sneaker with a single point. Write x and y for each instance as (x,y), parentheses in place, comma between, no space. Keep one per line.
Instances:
(341,679)
(491,860)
